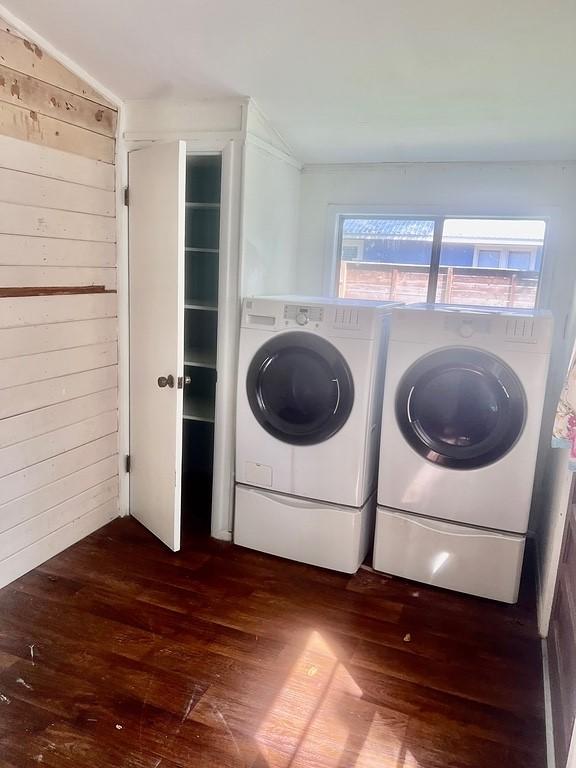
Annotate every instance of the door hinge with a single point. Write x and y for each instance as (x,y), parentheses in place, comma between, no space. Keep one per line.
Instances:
(127,462)
(126,196)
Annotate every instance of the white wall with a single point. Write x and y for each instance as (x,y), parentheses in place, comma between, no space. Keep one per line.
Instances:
(271,210)
(469,189)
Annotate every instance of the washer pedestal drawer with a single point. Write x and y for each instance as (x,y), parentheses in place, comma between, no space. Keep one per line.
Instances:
(459,557)
(314,532)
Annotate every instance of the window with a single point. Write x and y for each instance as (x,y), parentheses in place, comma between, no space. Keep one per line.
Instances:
(483,262)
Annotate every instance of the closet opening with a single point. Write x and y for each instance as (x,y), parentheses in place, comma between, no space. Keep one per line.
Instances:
(202,241)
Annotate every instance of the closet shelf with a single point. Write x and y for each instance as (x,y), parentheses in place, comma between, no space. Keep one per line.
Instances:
(203,206)
(196,409)
(200,358)
(189,249)
(201,304)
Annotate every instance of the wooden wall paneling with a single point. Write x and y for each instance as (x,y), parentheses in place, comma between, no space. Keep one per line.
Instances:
(44,420)
(26,57)
(54,518)
(49,365)
(46,277)
(24,156)
(48,496)
(19,250)
(48,222)
(58,376)
(40,394)
(50,132)
(30,189)
(47,99)
(37,449)
(45,472)
(42,310)
(43,549)
(33,339)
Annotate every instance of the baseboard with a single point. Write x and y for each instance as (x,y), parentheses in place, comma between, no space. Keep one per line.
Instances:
(37,553)
(549,723)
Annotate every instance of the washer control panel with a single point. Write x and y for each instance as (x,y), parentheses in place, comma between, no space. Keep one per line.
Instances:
(303,315)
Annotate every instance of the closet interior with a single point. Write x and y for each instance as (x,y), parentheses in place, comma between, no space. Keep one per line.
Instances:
(202,239)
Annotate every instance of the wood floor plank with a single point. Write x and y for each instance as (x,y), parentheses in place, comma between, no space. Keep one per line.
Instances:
(122,654)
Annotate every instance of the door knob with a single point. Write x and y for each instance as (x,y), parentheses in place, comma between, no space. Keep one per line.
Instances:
(166,381)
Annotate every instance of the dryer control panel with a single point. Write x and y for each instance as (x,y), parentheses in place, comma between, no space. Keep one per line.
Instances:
(327,317)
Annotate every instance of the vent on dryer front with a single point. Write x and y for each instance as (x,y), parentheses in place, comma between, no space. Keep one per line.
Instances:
(521,329)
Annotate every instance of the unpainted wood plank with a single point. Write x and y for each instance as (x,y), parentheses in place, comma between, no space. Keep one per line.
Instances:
(27,480)
(81,279)
(26,57)
(34,554)
(43,310)
(50,290)
(30,531)
(25,156)
(46,99)
(26,507)
(30,340)
(19,250)
(31,126)
(39,394)
(37,449)
(46,222)
(30,189)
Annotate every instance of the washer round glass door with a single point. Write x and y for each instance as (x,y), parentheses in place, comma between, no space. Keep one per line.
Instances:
(300,388)
(461,408)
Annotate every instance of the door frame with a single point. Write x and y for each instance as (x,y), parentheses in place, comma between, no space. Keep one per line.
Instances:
(230,146)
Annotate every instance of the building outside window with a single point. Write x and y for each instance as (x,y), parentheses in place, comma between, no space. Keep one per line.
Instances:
(484,262)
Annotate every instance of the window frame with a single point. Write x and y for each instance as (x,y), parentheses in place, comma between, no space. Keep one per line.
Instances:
(338,213)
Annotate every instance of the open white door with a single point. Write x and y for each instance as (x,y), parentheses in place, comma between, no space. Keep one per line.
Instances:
(157,180)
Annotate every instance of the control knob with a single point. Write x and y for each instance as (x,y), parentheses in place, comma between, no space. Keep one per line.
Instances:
(302,318)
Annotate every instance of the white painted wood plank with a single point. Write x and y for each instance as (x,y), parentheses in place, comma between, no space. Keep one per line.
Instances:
(31,126)
(27,57)
(36,476)
(32,504)
(46,222)
(25,156)
(57,517)
(29,452)
(23,250)
(40,277)
(32,339)
(49,365)
(41,310)
(40,394)
(30,189)
(40,422)
(42,550)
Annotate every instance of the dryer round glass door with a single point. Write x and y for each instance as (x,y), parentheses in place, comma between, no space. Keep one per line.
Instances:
(300,388)
(461,408)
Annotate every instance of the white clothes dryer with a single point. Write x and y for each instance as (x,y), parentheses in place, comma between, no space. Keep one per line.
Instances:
(310,379)
(461,421)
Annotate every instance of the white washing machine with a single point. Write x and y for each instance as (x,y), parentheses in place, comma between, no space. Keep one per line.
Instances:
(461,420)
(310,379)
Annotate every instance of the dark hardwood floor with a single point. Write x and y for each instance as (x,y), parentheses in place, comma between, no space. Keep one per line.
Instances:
(120,654)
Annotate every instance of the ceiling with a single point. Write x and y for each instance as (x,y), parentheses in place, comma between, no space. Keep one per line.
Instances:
(346,80)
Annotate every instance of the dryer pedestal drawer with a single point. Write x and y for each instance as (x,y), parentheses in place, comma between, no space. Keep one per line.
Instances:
(463,558)
(314,532)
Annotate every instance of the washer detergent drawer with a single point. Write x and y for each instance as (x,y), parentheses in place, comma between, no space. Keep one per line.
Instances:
(327,535)
(459,557)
